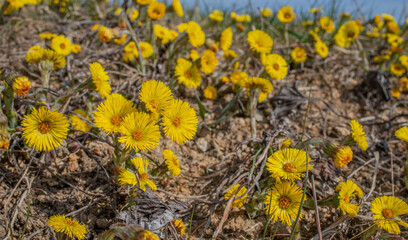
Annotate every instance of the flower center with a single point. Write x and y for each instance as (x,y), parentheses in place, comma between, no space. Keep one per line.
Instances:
(176,121)
(350,34)
(116,120)
(70,222)
(276,66)
(289,167)
(137,135)
(156,12)
(62,46)
(187,74)
(142,49)
(259,43)
(154,104)
(44,127)
(144,176)
(388,213)
(175,162)
(287,15)
(323,49)
(299,54)
(346,199)
(284,202)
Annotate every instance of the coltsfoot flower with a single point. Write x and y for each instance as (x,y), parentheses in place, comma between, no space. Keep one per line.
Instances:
(67,226)
(386,210)
(239,202)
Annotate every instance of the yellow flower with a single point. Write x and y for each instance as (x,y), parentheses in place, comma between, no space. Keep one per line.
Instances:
(208,62)
(286,14)
(21,86)
(238,78)
(100,79)
(179,225)
(194,55)
(260,41)
(187,73)
(377,20)
(79,124)
(118,11)
(393,27)
(44,130)
(128,178)
(372,34)
(225,79)
(210,92)
(217,16)
(299,55)
(105,34)
(178,9)
(38,54)
(226,39)
(326,23)
(397,69)
(133,15)
(76,48)
(139,133)
(179,121)
(234,190)
(258,83)
(61,45)
(288,164)
(358,135)
(393,39)
(347,33)
(236,65)
(120,40)
(275,66)
(321,49)
(146,49)
(307,23)
(67,226)
(285,144)
(230,54)
(109,114)
(155,95)
(196,36)
(315,10)
(144,2)
(314,34)
(241,27)
(342,156)
(348,193)
(386,210)
(283,202)
(172,162)
(156,10)
(380,59)
(345,15)
(266,12)
(396,92)
(403,83)
(403,59)
(402,133)
(47,35)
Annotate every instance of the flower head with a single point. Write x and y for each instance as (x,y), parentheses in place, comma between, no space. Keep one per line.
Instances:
(37,54)
(234,190)
(216,16)
(286,14)
(238,78)
(347,33)
(105,34)
(187,73)
(146,49)
(208,62)
(100,79)
(194,55)
(402,133)
(79,124)
(386,210)
(172,162)
(47,35)
(266,12)
(179,121)
(358,134)
(109,114)
(179,225)
(397,69)
(127,177)
(155,95)
(61,45)
(67,226)
(226,39)
(326,24)
(210,92)
(177,7)
(321,49)
(139,132)
(299,55)
(348,193)
(196,36)
(258,83)
(275,66)
(43,129)
(283,202)
(342,156)
(156,10)
(288,164)
(21,86)
(260,41)
(144,2)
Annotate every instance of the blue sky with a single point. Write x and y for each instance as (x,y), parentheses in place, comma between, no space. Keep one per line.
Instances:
(398,8)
